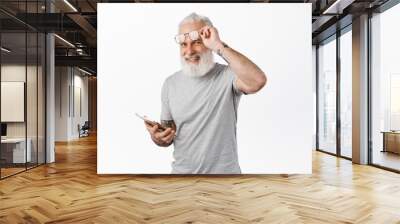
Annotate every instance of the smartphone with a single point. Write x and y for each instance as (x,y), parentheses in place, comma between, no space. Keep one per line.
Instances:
(152,123)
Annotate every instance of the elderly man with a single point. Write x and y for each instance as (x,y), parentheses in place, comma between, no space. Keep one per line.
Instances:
(200,102)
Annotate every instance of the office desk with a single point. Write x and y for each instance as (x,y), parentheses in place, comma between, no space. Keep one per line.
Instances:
(13,150)
(391,141)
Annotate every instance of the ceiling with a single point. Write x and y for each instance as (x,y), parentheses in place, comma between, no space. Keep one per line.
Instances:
(76,22)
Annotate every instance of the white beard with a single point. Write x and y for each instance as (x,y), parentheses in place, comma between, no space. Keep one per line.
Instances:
(205,64)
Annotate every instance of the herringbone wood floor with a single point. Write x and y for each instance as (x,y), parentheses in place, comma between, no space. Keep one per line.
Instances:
(70,191)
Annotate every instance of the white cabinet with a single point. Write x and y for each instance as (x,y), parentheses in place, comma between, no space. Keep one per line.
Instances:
(18,149)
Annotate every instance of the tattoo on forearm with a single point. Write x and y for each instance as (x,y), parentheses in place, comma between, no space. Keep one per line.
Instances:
(167,123)
(220,53)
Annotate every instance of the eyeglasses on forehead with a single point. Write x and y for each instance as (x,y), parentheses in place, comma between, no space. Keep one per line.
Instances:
(193,35)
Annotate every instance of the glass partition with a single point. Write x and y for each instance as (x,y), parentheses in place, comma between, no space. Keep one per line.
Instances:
(41,109)
(32,95)
(22,101)
(327,96)
(13,104)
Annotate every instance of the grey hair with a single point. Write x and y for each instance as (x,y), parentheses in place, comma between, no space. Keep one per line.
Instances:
(194,17)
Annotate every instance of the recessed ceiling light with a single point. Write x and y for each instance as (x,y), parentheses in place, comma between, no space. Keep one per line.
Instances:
(84,71)
(5,50)
(64,40)
(338,6)
(70,5)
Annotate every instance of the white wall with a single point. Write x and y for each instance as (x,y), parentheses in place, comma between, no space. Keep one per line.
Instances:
(80,84)
(314,87)
(61,103)
(274,126)
(68,81)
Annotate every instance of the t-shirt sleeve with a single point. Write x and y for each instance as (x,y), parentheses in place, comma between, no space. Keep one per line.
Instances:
(233,78)
(165,110)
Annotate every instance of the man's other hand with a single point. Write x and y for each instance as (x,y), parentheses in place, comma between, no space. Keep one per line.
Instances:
(161,138)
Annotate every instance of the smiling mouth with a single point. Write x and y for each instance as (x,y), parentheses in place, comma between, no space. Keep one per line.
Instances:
(193,58)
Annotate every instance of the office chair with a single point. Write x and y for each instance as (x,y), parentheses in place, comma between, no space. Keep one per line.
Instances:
(84,130)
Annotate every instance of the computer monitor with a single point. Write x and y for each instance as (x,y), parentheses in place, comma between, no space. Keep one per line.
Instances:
(3,129)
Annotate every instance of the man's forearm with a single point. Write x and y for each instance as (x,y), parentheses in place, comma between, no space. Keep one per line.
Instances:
(248,72)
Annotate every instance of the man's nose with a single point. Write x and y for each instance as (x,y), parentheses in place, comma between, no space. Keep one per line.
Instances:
(189,49)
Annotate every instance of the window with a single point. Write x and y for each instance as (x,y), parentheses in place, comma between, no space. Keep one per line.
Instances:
(385,89)
(327,97)
(346,94)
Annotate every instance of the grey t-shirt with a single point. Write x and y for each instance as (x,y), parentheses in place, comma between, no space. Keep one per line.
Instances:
(204,110)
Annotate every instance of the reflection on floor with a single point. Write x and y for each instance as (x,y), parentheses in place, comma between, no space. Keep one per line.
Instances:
(13,169)
(347,152)
(386,159)
(9,171)
(70,191)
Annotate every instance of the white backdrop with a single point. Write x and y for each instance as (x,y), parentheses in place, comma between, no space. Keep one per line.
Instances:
(136,52)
